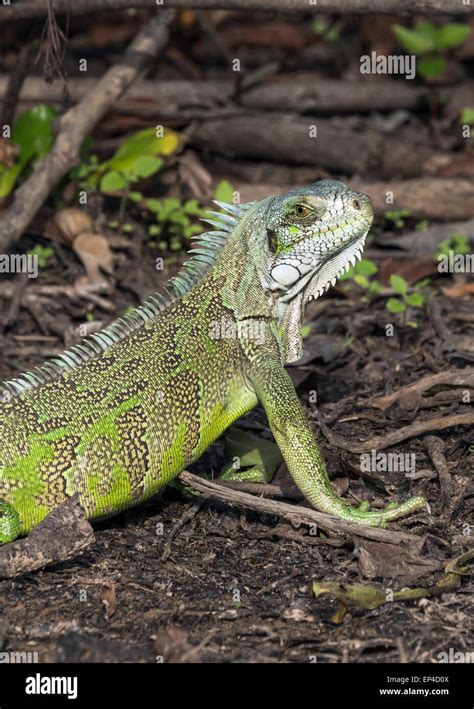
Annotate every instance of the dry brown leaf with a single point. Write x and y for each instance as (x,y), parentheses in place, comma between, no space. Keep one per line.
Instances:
(95,254)
(460,290)
(412,269)
(377,560)
(67,224)
(108,597)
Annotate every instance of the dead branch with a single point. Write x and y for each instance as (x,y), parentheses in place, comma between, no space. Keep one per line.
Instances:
(426,197)
(15,82)
(62,535)
(402,434)
(37,8)
(457,378)
(296,140)
(179,98)
(76,123)
(298,515)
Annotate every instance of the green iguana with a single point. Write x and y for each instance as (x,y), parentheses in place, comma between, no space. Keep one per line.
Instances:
(116,417)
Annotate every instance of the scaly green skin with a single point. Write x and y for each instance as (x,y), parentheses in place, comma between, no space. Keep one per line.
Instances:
(121,424)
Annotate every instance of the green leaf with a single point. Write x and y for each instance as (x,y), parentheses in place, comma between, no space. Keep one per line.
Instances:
(451,35)
(192,208)
(433,66)
(33,132)
(154,230)
(224,192)
(366,267)
(395,306)
(305,330)
(413,41)
(467,116)
(154,205)
(42,253)
(147,165)
(143,143)
(415,299)
(192,229)
(412,323)
(361,281)
(398,284)
(423,283)
(422,225)
(168,206)
(179,218)
(112,182)
(319,26)
(135,196)
(426,29)
(374,287)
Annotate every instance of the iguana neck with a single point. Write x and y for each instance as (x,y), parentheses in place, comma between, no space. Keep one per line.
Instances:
(241,265)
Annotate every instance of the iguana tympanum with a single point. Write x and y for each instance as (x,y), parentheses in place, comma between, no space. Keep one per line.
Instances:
(116,417)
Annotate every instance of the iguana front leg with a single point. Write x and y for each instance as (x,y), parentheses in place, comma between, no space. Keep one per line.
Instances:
(295,438)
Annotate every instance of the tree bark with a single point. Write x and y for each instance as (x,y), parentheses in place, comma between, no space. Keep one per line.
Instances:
(37,8)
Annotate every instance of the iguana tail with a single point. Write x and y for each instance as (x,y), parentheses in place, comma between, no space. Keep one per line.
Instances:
(9,522)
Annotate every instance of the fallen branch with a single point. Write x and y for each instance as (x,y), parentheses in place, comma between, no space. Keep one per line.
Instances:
(294,514)
(175,99)
(75,124)
(37,8)
(426,197)
(402,434)
(437,198)
(62,535)
(290,139)
(458,378)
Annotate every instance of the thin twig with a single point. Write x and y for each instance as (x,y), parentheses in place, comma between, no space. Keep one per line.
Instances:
(299,515)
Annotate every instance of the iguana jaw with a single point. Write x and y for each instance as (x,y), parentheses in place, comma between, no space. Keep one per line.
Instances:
(292,304)
(326,273)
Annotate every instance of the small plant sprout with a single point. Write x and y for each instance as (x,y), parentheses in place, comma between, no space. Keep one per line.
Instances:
(42,253)
(457,244)
(430,43)
(327,30)
(405,301)
(139,157)
(174,221)
(362,274)
(467,117)
(397,217)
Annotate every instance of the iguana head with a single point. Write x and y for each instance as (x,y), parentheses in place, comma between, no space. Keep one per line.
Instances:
(288,248)
(314,234)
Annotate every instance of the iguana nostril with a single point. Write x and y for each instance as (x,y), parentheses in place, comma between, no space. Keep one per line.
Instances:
(356,204)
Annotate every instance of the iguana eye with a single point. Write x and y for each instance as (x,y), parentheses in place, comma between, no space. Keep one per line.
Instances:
(302,211)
